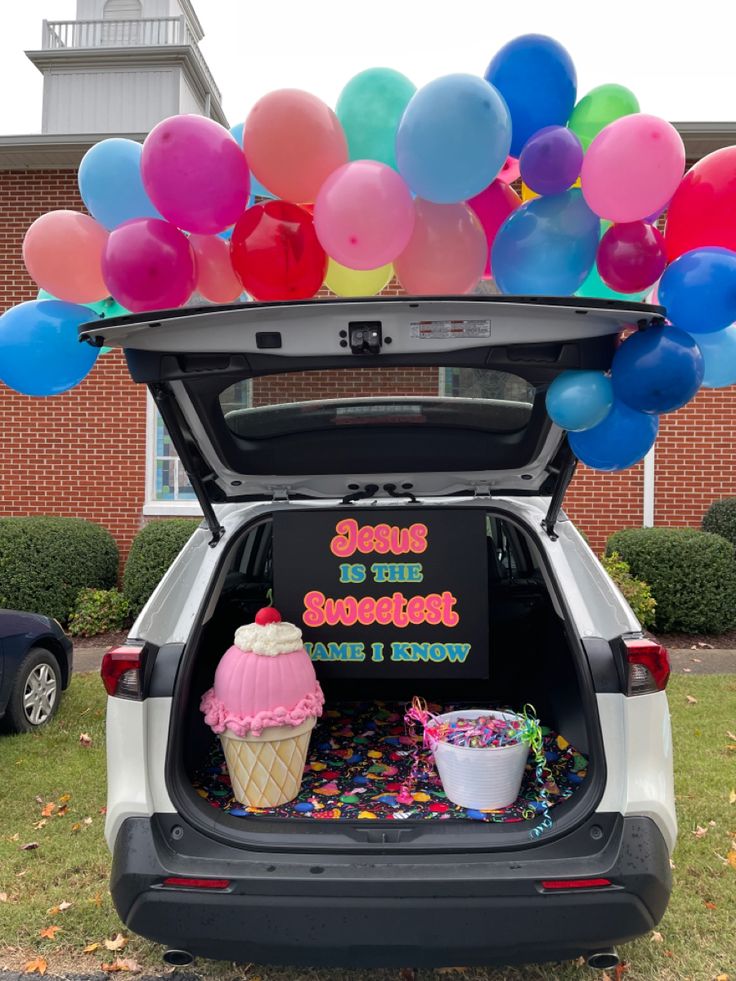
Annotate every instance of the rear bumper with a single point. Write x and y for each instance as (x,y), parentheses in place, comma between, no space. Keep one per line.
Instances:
(390,910)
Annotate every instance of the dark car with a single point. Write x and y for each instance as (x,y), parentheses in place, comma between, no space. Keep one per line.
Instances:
(35,667)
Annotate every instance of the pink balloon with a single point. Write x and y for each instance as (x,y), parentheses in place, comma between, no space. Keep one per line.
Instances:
(493,206)
(631,256)
(510,171)
(293,142)
(632,167)
(216,278)
(195,174)
(149,265)
(62,251)
(364,214)
(447,251)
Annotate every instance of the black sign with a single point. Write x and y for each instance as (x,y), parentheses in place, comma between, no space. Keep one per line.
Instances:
(386,592)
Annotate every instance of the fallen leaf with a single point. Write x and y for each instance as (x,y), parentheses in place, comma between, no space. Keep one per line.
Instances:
(85,739)
(700,832)
(117,944)
(122,964)
(76,827)
(696,660)
(19,875)
(87,821)
(620,970)
(65,798)
(15,837)
(707,647)
(62,811)
(691,700)
(731,857)
(103,810)
(687,670)
(711,906)
(40,824)
(49,933)
(721,977)
(657,937)
(3,897)
(90,948)
(48,810)
(37,966)
(669,953)
(29,847)
(97,899)
(38,800)
(732,797)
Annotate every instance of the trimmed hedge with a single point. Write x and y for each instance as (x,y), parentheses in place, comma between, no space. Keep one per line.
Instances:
(153,550)
(98,611)
(691,573)
(46,561)
(720,519)
(636,593)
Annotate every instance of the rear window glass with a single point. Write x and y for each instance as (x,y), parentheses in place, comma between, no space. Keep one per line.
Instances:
(475,398)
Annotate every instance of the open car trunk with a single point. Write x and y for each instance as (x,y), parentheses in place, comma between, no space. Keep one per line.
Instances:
(347,407)
(366,773)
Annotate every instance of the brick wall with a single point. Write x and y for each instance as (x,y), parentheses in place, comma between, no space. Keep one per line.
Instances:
(80,454)
(83,453)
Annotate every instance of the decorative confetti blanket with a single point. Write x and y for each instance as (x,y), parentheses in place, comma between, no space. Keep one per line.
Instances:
(359,759)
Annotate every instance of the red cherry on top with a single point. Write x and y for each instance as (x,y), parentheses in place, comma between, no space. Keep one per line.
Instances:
(267,615)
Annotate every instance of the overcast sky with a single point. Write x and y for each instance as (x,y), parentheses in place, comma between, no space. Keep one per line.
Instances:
(679,58)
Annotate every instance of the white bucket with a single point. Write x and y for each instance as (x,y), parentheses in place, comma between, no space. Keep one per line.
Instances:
(484,778)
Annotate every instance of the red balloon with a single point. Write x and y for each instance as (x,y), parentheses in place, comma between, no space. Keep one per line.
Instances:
(631,256)
(493,206)
(703,209)
(276,253)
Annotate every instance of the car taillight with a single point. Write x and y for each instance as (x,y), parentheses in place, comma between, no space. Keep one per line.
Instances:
(575,883)
(177,882)
(648,666)
(122,671)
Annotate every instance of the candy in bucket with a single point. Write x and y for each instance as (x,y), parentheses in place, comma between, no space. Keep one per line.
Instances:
(481,755)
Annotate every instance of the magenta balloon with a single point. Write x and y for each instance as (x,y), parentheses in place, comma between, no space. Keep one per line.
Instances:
(447,251)
(632,167)
(364,214)
(631,256)
(551,160)
(493,206)
(149,265)
(510,171)
(195,174)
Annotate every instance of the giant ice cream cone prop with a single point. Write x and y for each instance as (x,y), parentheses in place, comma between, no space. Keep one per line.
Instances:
(264,705)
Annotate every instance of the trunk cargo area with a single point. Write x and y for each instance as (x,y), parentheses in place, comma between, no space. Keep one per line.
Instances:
(364,766)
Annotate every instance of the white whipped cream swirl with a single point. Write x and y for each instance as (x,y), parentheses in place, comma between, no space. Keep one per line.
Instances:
(270,639)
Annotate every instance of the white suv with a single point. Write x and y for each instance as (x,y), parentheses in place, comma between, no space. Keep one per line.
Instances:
(289,418)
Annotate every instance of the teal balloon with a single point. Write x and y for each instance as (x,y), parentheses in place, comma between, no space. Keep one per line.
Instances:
(370,108)
(579,400)
(719,354)
(108,308)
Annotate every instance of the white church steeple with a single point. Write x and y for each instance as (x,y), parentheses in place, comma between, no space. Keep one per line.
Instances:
(122,66)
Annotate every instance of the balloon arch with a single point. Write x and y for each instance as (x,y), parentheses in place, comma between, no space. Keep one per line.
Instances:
(415,184)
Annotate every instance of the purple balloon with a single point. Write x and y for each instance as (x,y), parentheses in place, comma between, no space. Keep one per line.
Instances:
(149,265)
(551,160)
(195,174)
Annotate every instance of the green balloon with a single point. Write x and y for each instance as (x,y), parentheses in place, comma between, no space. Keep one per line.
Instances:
(108,308)
(370,108)
(599,108)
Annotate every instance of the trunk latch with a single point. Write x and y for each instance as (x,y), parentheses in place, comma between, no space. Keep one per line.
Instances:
(365,336)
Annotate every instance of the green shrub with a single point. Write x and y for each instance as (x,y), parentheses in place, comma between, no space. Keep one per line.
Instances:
(45,561)
(98,611)
(637,593)
(153,550)
(691,573)
(720,519)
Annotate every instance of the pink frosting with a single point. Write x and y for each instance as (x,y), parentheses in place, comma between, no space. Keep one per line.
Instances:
(219,717)
(253,692)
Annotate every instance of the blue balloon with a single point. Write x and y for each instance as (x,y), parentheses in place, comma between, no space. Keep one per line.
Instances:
(657,370)
(111,185)
(579,400)
(236,132)
(699,290)
(719,354)
(537,78)
(453,138)
(546,247)
(257,190)
(40,353)
(621,440)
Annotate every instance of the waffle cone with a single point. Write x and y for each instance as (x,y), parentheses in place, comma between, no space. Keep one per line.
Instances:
(266,770)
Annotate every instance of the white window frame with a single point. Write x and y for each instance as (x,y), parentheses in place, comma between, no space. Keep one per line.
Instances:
(152,506)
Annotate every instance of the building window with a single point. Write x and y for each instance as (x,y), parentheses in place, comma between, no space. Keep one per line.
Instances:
(168,490)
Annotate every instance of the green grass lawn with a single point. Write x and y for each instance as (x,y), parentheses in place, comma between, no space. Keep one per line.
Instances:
(696,939)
